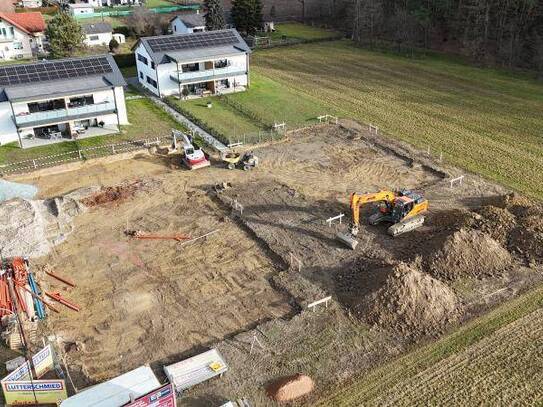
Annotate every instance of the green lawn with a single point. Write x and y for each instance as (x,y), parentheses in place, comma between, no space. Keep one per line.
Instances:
(147,121)
(493,360)
(483,120)
(223,118)
(114,21)
(158,3)
(129,71)
(302,32)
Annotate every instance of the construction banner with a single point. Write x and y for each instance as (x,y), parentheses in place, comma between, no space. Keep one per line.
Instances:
(163,397)
(43,362)
(34,392)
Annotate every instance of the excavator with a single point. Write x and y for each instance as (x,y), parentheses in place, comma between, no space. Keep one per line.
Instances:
(405,209)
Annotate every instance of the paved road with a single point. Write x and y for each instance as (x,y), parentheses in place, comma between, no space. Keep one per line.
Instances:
(212,141)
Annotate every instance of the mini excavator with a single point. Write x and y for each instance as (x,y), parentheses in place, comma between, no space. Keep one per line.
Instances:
(404,209)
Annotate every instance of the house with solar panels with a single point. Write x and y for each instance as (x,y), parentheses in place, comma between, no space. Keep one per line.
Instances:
(66,99)
(193,64)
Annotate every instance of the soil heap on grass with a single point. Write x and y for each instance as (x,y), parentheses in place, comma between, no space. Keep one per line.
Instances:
(469,253)
(290,388)
(412,303)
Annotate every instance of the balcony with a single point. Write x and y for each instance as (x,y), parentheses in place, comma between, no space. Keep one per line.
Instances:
(206,75)
(59,115)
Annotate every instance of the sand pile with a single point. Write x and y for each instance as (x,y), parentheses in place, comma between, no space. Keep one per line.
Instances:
(469,253)
(413,303)
(32,227)
(290,388)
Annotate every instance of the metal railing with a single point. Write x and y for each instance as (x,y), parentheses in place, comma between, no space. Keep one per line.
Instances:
(58,114)
(182,77)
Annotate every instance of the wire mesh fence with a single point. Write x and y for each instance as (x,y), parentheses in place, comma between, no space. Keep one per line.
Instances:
(79,155)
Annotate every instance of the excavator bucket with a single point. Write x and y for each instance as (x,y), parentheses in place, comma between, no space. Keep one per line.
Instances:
(347,239)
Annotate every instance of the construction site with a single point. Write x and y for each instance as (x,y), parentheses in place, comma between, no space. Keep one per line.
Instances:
(161,263)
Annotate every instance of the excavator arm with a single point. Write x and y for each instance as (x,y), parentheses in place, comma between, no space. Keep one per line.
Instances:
(357,200)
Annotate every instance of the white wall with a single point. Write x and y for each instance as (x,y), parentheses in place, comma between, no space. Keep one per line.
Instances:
(8,131)
(121,105)
(145,70)
(31,3)
(77,11)
(178,27)
(8,49)
(98,39)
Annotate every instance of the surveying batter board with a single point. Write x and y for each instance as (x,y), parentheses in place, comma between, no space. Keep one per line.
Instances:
(30,392)
(163,397)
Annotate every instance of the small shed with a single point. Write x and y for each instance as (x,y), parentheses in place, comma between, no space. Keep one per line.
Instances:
(118,391)
(80,9)
(197,369)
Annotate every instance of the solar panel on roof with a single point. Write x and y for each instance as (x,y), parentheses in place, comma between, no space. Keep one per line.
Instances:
(45,71)
(197,40)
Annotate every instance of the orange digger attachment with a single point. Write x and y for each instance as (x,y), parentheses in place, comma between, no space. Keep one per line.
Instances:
(138,234)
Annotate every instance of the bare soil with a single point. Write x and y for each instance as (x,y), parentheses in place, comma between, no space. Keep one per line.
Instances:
(160,301)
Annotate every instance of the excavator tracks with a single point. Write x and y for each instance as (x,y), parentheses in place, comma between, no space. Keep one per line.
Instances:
(406,226)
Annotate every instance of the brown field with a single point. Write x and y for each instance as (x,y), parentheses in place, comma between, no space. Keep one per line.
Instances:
(160,301)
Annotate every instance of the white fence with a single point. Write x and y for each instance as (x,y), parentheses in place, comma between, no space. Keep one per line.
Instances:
(79,155)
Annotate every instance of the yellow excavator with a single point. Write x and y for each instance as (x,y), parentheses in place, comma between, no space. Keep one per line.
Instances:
(404,209)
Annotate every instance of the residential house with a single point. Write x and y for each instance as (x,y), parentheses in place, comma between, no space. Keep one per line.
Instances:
(51,101)
(109,3)
(21,35)
(100,34)
(188,23)
(97,34)
(195,64)
(78,9)
(30,3)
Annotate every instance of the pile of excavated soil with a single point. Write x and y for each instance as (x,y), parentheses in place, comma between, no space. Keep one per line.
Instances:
(290,388)
(119,193)
(33,227)
(495,222)
(527,243)
(469,253)
(413,303)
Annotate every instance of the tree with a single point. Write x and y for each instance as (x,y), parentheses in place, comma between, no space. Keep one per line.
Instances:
(143,22)
(247,15)
(113,45)
(65,35)
(273,12)
(214,15)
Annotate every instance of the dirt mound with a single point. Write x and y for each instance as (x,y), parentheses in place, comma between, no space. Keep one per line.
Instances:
(495,222)
(527,243)
(290,388)
(469,254)
(33,227)
(413,303)
(119,193)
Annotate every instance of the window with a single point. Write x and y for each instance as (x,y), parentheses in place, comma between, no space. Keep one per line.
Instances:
(152,65)
(141,75)
(11,31)
(175,27)
(141,58)
(190,67)
(17,45)
(4,32)
(223,63)
(151,82)
(94,37)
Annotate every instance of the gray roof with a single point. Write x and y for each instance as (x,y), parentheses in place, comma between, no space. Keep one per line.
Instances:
(195,46)
(192,20)
(97,28)
(74,84)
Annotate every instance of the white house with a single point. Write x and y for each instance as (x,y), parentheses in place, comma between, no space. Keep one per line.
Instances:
(78,9)
(196,64)
(51,101)
(21,35)
(97,34)
(187,23)
(109,3)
